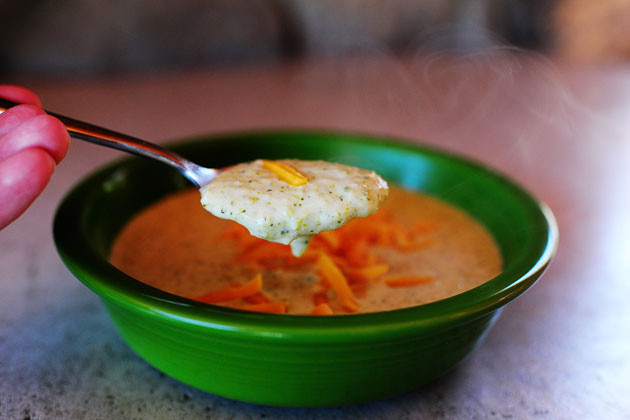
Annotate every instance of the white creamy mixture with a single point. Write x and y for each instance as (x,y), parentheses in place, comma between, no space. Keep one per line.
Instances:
(276,211)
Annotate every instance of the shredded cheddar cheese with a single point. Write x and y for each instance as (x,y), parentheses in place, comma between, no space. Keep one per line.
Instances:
(286,173)
(344,259)
(232,293)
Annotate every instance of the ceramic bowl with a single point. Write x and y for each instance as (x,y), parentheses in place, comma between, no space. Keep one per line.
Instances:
(304,361)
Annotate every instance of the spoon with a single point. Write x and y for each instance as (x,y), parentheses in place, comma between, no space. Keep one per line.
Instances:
(284,222)
(196,174)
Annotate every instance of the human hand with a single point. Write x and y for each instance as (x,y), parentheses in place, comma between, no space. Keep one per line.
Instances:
(32,143)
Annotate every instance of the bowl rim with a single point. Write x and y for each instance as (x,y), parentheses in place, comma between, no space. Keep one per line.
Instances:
(112,284)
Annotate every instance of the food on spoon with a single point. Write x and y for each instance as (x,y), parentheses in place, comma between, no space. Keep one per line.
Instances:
(414,250)
(289,201)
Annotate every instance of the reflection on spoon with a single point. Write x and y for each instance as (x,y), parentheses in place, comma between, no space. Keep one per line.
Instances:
(285,201)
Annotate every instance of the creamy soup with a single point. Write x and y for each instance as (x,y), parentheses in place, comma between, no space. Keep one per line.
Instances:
(324,196)
(415,250)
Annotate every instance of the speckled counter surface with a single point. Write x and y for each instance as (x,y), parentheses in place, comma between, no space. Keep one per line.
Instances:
(558,352)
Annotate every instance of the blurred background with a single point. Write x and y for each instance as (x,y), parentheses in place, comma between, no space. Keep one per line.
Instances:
(79,38)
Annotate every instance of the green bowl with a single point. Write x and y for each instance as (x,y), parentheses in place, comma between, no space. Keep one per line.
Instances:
(304,361)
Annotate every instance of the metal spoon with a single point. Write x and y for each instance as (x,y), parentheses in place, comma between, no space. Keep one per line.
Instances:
(196,174)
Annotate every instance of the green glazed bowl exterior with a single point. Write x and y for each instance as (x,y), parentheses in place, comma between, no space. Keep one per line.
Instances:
(304,361)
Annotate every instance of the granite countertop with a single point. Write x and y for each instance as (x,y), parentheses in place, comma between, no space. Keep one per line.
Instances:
(558,352)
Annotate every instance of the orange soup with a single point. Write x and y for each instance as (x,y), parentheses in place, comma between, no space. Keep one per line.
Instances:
(414,250)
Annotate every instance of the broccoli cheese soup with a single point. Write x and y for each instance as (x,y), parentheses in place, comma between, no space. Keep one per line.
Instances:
(414,250)
(290,201)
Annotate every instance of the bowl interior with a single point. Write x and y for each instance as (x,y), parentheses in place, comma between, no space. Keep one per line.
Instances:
(93,213)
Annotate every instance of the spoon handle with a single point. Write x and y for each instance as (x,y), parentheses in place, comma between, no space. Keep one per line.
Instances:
(81,130)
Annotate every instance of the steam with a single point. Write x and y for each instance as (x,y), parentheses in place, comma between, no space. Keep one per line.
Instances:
(479,96)
(513,110)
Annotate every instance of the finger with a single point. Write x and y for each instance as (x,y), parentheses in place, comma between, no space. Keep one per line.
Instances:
(17,115)
(19,94)
(22,177)
(42,131)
